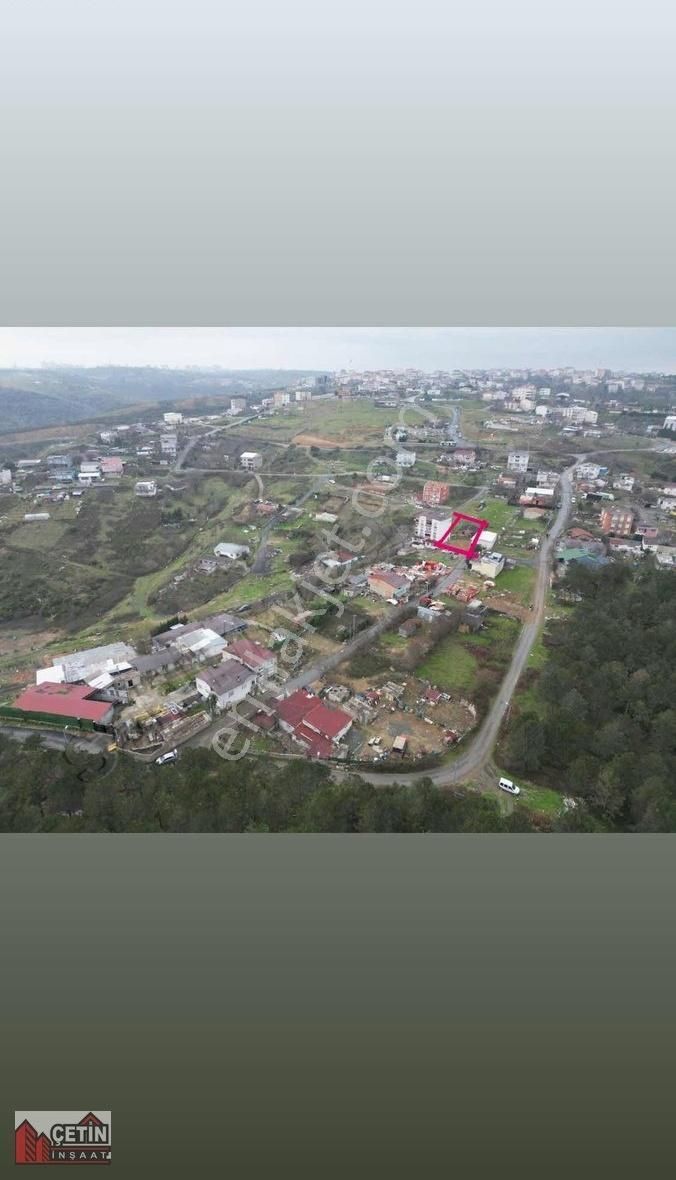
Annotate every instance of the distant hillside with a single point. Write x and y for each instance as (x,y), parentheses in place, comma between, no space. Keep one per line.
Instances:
(30,399)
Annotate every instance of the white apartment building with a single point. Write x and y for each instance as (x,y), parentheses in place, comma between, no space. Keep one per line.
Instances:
(670,422)
(547,479)
(172,418)
(587,471)
(251,460)
(145,487)
(490,565)
(405,458)
(518,461)
(431,524)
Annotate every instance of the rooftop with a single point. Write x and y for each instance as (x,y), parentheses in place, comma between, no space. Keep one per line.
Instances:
(64,700)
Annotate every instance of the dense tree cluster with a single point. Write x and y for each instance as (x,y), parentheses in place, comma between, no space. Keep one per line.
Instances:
(44,791)
(606,732)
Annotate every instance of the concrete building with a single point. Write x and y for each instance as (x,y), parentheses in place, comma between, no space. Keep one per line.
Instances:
(251,460)
(234,552)
(237,405)
(145,487)
(669,422)
(229,682)
(172,418)
(405,458)
(547,479)
(388,584)
(489,565)
(5,476)
(254,656)
(619,521)
(518,461)
(169,444)
(432,524)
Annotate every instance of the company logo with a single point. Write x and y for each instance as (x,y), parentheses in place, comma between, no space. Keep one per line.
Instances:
(62,1137)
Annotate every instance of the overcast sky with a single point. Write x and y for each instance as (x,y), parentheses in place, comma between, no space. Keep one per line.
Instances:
(637,349)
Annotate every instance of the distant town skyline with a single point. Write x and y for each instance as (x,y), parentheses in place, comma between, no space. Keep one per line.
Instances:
(316,348)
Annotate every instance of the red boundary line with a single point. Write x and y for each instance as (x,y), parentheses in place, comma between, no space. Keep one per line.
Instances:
(474,541)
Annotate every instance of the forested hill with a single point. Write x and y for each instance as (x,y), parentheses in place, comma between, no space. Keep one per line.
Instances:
(44,791)
(30,399)
(605,727)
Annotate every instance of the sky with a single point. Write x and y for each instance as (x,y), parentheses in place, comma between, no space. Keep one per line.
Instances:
(630,349)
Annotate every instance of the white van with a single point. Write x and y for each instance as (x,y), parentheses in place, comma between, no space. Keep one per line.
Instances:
(506,784)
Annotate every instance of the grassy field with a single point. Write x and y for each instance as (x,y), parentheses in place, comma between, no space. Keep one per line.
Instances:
(456,662)
(519,582)
(450,666)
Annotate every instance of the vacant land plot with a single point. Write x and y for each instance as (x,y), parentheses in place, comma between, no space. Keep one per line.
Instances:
(518,582)
(458,662)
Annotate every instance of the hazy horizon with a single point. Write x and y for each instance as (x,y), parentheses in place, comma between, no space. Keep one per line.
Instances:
(315,348)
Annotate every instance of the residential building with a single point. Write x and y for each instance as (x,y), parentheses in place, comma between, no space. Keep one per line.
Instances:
(464,456)
(223,624)
(72,702)
(168,444)
(5,476)
(431,524)
(580,414)
(282,397)
(229,682)
(518,461)
(200,644)
(388,584)
(667,503)
(625,483)
(237,405)
(587,471)
(489,565)
(547,479)
(405,458)
(145,487)
(173,418)
(487,540)
(251,460)
(90,468)
(665,556)
(228,549)
(254,656)
(619,521)
(111,465)
(434,492)
(316,726)
(669,422)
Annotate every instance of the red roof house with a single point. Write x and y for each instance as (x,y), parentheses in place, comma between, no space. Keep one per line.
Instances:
(253,655)
(65,700)
(312,722)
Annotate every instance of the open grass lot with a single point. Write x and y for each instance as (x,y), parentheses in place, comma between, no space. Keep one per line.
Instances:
(451,666)
(456,663)
(519,582)
(498,513)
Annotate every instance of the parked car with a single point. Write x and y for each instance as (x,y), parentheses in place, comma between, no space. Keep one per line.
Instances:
(506,784)
(170,756)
